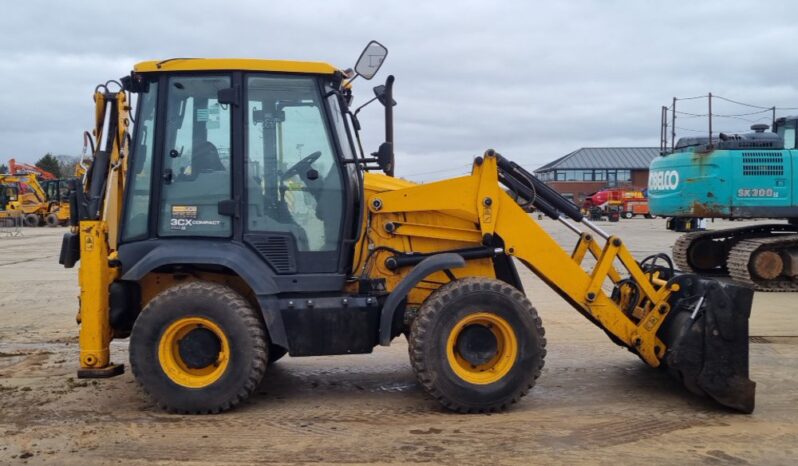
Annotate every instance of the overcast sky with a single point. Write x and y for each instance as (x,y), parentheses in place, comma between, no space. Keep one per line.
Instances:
(534,82)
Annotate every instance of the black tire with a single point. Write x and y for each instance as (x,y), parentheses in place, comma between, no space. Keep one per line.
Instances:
(628,215)
(52,220)
(276,353)
(32,220)
(439,316)
(242,328)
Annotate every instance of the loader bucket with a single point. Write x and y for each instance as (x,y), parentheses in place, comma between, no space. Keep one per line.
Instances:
(707,340)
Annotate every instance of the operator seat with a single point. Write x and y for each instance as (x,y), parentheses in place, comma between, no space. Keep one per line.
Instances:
(206,158)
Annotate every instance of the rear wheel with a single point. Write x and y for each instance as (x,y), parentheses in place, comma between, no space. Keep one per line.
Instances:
(52,220)
(198,347)
(32,220)
(628,215)
(477,345)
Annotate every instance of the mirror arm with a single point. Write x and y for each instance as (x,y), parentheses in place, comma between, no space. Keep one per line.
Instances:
(361,107)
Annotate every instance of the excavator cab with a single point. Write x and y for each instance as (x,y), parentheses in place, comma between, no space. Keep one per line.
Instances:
(239,220)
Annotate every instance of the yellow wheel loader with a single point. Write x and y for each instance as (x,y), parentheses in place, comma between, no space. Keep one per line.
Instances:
(242,221)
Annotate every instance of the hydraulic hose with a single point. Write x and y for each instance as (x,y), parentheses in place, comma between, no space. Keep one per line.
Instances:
(545,197)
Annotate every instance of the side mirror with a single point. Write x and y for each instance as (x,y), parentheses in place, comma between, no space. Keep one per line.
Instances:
(371,59)
(381,95)
(384,157)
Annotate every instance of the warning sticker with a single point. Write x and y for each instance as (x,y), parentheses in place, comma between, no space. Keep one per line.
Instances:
(184,211)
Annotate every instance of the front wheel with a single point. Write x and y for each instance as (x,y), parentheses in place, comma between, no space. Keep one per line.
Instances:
(477,345)
(198,347)
(628,215)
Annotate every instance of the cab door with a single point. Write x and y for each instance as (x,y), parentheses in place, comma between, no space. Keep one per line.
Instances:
(294,190)
(196,171)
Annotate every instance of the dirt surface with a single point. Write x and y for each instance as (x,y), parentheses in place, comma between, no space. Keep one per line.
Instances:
(594,403)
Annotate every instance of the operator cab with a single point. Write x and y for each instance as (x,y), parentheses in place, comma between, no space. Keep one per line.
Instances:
(260,152)
(8,193)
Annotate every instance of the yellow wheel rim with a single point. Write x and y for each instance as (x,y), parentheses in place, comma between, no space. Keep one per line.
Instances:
(172,362)
(495,368)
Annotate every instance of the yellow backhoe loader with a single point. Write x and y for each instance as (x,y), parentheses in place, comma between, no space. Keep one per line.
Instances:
(242,221)
(30,200)
(10,216)
(57,198)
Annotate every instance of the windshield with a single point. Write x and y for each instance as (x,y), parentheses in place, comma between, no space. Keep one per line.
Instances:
(340,124)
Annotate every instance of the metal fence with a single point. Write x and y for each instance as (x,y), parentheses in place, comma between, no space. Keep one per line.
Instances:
(11,223)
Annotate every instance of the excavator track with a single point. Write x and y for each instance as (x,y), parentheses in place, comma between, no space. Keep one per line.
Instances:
(681,247)
(714,255)
(742,253)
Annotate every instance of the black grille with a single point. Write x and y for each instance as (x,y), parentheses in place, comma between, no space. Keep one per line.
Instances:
(277,250)
(763,163)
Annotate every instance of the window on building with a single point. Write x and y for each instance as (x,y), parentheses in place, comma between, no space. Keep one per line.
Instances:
(612,178)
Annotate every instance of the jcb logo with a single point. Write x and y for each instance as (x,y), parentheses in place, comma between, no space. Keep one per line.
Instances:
(663,180)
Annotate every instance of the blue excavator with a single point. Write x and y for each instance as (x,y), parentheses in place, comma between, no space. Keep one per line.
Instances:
(735,176)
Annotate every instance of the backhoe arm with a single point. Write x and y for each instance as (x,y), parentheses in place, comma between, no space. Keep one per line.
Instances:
(95,206)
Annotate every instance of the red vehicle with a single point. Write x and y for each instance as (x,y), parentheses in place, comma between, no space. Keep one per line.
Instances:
(628,201)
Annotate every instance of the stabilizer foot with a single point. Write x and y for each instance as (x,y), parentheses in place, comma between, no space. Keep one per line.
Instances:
(111,370)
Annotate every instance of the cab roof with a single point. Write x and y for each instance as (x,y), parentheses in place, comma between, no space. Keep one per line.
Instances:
(237,64)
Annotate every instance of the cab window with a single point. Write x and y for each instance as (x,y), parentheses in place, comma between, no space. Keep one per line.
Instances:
(196,162)
(787,133)
(138,189)
(293,182)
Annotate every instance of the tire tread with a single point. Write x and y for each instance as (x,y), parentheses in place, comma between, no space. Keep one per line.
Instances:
(244,311)
(422,327)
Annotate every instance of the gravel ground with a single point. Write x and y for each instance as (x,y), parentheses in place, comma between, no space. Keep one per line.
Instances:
(594,403)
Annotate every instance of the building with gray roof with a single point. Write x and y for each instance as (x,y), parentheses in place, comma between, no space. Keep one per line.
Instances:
(590,169)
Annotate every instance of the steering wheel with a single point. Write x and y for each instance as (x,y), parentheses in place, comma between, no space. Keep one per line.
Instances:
(302,166)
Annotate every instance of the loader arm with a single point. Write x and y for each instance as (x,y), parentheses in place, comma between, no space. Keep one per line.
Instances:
(481,199)
(643,298)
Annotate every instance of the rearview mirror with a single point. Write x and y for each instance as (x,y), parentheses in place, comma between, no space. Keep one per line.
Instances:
(371,59)
(384,156)
(379,93)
